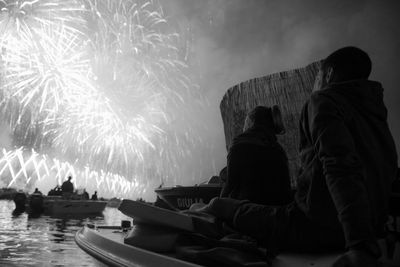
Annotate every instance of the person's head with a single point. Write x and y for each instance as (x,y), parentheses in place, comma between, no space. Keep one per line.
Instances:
(36,189)
(270,118)
(346,64)
(69,178)
(95,192)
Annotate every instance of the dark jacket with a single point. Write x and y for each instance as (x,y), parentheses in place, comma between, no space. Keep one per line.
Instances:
(348,159)
(257,169)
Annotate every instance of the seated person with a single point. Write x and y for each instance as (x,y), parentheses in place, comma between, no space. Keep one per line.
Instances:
(85,195)
(94,196)
(348,163)
(257,165)
(56,191)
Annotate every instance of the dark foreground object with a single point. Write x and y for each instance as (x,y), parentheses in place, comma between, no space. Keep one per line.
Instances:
(156,235)
(106,244)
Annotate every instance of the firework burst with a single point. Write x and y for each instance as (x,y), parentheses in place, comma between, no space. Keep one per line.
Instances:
(98,81)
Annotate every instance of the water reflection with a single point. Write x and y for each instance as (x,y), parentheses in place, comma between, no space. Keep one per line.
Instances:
(34,240)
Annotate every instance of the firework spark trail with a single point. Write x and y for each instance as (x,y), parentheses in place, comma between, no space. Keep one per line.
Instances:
(134,63)
(24,17)
(41,59)
(42,75)
(97,81)
(22,168)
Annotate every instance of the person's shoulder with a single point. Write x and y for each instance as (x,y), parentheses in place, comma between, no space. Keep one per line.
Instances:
(317,99)
(321,95)
(323,99)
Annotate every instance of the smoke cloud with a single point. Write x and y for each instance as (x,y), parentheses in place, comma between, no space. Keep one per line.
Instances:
(236,40)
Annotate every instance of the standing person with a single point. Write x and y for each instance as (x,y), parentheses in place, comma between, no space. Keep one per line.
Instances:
(348,160)
(37,192)
(257,165)
(67,187)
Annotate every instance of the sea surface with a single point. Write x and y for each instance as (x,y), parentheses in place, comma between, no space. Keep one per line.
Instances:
(46,240)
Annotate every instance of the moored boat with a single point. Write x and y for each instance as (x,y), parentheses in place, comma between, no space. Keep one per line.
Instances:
(37,203)
(8,193)
(182,197)
(58,205)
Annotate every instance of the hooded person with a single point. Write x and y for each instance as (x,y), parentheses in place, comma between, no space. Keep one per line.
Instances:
(348,163)
(257,165)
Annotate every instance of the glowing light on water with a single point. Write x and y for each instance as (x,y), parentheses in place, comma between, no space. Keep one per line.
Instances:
(98,82)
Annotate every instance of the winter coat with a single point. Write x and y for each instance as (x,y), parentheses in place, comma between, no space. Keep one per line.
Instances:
(348,159)
(257,169)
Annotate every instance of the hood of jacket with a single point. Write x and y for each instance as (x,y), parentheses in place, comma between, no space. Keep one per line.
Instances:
(365,95)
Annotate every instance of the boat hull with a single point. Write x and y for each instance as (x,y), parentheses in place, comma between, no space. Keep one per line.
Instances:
(63,206)
(106,244)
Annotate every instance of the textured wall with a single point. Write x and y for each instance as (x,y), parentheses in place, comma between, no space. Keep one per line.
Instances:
(287,89)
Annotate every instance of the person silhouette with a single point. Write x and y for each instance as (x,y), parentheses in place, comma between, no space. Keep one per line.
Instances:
(94,196)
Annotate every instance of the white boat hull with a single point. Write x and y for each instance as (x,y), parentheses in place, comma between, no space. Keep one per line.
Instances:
(106,244)
(63,206)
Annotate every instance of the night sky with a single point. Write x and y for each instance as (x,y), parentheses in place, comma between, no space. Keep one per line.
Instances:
(236,40)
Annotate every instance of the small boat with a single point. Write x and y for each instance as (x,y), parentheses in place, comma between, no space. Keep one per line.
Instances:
(7,193)
(182,197)
(37,203)
(113,202)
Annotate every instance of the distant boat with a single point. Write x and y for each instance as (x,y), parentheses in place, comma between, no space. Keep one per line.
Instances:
(7,193)
(58,205)
(36,203)
(113,202)
(182,197)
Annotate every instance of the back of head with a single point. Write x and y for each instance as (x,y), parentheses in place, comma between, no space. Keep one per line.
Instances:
(348,63)
(269,118)
(260,116)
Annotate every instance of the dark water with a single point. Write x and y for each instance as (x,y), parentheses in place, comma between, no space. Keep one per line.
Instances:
(45,241)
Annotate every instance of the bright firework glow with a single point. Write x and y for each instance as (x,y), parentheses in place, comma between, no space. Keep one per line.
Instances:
(97,83)
(28,167)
